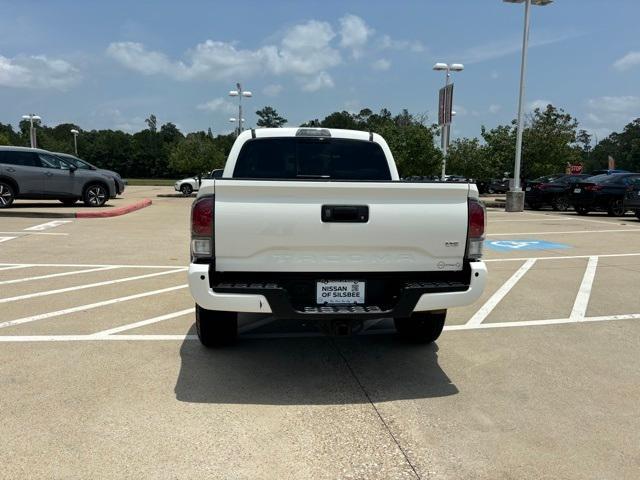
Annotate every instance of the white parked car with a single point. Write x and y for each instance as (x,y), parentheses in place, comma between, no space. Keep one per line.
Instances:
(192,184)
(315,225)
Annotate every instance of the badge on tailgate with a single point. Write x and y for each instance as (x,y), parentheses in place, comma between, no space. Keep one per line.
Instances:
(340,291)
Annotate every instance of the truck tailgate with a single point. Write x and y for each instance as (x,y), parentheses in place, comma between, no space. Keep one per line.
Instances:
(272,225)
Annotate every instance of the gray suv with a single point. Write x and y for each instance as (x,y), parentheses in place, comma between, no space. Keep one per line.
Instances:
(35,174)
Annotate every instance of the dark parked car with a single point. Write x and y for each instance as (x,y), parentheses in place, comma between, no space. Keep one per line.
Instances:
(607,172)
(84,165)
(37,174)
(632,198)
(555,193)
(602,192)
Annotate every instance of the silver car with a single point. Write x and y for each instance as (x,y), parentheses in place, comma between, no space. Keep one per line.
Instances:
(84,165)
(35,174)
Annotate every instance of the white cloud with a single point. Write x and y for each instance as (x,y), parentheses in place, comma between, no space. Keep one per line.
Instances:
(540,103)
(494,108)
(630,60)
(322,80)
(354,33)
(381,64)
(623,104)
(217,105)
(272,90)
(500,48)
(37,71)
(386,42)
(305,50)
(611,113)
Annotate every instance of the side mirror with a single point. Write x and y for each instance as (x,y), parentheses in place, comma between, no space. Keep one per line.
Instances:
(72,167)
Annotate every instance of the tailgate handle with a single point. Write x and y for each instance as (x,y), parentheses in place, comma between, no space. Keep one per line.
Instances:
(345,213)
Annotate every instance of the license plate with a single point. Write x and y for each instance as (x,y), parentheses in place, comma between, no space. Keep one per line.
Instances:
(577,190)
(528,189)
(340,291)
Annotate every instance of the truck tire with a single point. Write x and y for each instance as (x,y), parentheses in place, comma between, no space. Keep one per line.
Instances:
(216,328)
(421,327)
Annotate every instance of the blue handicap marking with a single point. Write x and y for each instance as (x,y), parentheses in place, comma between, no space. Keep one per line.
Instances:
(515,245)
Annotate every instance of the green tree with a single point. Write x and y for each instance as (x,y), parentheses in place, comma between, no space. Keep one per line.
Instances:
(624,147)
(269,118)
(152,123)
(196,154)
(467,157)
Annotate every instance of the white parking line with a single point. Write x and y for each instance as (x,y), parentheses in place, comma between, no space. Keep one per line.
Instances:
(581,303)
(490,304)
(6,239)
(54,275)
(569,257)
(143,323)
(89,285)
(89,306)
(48,225)
(515,234)
(88,265)
(24,234)
(15,267)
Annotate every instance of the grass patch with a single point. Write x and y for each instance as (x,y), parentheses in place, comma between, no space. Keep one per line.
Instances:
(161,182)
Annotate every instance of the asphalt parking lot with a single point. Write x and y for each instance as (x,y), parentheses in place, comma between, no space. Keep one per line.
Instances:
(101,374)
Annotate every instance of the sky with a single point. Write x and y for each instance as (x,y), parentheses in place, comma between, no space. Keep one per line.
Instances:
(111,64)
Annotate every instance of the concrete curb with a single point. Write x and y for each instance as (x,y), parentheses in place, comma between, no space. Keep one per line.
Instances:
(115,212)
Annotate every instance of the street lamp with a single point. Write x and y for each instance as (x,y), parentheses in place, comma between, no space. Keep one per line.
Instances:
(515,195)
(75,140)
(239,93)
(32,117)
(446,127)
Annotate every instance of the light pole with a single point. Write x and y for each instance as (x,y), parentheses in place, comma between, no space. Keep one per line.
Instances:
(515,195)
(32,117)
(75,140)
(235,120)
(240,93)
(446,127)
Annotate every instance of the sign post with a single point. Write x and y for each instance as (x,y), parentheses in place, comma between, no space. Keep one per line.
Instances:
(445,108)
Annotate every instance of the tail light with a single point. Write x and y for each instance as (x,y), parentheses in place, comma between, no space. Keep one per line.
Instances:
(593,188)
(202,228)
(477,222)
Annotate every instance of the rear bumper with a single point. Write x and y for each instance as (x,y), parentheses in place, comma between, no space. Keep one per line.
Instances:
(269,298)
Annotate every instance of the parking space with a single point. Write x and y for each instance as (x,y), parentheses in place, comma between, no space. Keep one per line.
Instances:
(538,377)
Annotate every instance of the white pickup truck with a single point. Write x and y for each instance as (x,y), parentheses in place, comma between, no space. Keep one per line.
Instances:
(315,224)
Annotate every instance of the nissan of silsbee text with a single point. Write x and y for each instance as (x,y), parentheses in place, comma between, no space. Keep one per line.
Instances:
(315,225)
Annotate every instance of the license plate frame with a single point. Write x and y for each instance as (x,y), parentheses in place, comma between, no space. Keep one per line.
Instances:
(340,292)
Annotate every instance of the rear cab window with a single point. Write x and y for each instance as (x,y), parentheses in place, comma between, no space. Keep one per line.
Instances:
(296,158)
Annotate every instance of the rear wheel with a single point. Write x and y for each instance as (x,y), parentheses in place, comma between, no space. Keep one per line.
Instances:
(582,211)
(95,195)
(68,202)
(421,327)
(560,203)
(616,208)
(7,194)
(216,328)
(186,189)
